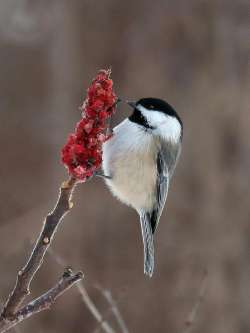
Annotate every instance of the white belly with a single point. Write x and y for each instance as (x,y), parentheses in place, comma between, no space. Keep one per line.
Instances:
(129,160)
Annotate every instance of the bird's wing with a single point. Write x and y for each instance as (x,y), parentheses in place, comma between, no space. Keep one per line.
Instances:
(162,184)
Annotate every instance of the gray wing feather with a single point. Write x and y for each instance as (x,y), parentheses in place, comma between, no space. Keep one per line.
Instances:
(149,220)
(162,184)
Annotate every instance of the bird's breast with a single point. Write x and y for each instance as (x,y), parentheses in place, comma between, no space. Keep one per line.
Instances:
(129,159)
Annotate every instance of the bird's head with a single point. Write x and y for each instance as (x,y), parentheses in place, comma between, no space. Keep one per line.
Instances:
(158,116)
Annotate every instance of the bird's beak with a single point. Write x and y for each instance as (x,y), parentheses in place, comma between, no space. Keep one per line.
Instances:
(132,104)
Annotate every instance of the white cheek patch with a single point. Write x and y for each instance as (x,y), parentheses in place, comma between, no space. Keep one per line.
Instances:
(166,126)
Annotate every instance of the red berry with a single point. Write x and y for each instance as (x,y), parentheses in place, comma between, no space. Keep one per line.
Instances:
(82,153)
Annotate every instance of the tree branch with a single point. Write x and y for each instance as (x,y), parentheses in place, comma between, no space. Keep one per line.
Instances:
(86,298)
(44,302)
(114,308)
(15,328)
(93,309)
(27,273)
(193,314)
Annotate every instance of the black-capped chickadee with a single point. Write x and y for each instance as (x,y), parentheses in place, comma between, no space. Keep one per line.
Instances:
(139,161)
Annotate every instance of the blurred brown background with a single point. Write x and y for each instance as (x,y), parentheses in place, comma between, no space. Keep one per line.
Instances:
(195,54)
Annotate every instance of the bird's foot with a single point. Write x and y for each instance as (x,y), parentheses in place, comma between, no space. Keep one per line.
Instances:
(99,173)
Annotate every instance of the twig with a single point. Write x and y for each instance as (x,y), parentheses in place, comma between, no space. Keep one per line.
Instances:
(193,314)
(85,297)
(114,308)
(93,309)
(27,273)
(107,314)
(43,302)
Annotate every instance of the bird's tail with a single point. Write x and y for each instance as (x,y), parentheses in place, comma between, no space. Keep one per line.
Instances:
(148,243)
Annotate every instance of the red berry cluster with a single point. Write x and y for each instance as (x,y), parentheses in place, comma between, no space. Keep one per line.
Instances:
(82,154)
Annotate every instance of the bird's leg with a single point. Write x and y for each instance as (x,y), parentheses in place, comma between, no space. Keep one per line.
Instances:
(99,173)
(109,131)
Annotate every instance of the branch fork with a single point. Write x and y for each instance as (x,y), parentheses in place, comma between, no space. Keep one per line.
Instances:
(13,311)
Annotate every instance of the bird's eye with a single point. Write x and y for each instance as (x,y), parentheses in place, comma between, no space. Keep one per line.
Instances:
(151,106)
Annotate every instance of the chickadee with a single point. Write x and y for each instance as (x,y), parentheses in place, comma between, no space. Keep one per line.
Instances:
(139,161)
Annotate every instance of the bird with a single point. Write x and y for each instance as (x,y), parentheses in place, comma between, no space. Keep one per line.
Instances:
(139,161)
